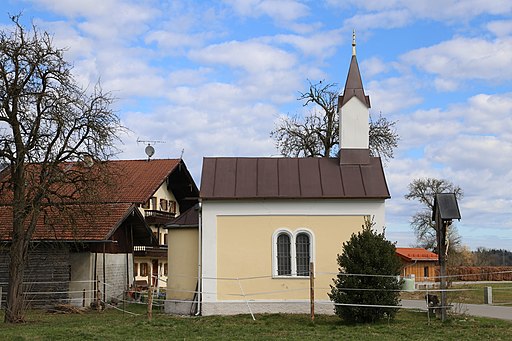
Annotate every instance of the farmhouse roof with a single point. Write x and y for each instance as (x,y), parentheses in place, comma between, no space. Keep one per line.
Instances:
(131,183)
(416,254)
(291,178)
(84,223)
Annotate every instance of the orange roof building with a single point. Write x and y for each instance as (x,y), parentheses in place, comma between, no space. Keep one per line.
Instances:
(418,262)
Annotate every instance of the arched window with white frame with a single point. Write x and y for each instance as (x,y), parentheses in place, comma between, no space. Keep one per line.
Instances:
(292,252)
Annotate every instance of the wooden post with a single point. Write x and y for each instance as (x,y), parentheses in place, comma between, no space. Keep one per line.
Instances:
(150,302)
(312,289)
(488,295)
(441,248)
(1,293)
(83,298)
(98,297)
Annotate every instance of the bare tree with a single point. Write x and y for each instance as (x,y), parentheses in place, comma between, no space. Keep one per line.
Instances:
(424,191)
(46,121)
(317,134)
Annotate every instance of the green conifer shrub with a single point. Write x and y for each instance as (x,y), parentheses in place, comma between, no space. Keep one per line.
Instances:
(367,254)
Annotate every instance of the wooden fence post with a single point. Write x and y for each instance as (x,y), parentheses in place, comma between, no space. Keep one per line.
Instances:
(98,297)
(312,289)
(83,298)
(150,302)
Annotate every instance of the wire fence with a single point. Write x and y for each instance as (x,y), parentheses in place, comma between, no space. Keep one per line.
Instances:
(243,291)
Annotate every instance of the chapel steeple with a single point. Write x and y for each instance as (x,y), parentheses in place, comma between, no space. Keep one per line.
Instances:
(354,116)
(354,83)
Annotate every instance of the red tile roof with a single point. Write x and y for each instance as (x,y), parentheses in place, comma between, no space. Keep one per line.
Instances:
(135,181)
(138,180)
(415,253)
(304,178)
(87,222)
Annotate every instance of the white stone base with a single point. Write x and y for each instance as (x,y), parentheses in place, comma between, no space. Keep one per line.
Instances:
(256,307)
(178,308)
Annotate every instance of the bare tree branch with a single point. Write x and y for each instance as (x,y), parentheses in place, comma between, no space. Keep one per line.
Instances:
(317,134)
(46,121)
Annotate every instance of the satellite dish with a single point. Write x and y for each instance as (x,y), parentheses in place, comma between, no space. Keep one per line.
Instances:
(88,161)
(150,151)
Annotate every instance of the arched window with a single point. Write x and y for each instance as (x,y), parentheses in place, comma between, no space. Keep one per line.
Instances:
(284,263)
(302,248)
(292,252)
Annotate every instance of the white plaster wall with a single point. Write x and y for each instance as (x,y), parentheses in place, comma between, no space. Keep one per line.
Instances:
(355,125)
(81,278)
(212,209)
(115,273)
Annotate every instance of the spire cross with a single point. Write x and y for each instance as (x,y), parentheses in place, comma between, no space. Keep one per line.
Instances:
(354,42)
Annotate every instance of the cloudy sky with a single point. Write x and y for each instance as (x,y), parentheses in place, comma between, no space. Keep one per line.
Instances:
(211,78)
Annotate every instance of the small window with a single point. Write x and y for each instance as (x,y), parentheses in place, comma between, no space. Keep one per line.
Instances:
(153,203)
(163,205)
(284,266)
(144,269)
(165,239)
(302,254)
(426,272)
(172,206)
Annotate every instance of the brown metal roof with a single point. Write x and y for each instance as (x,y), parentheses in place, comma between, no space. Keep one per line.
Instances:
(303,178)
(189,218)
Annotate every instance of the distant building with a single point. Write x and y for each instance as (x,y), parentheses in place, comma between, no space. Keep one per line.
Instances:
(418,262)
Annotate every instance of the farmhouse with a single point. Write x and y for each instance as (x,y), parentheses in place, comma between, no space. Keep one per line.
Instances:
(418,262)
(263,220)
(113,241)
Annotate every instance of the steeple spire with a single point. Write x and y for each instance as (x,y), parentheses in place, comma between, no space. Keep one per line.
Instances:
(354,83)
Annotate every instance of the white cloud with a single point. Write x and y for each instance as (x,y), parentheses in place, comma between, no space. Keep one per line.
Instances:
(465,58)
(373,66)
(443,10)
(392,95)
(253,57)
(501,28)
(384,19)
(279,10)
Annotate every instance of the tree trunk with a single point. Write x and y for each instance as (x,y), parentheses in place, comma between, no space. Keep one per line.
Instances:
(14,311)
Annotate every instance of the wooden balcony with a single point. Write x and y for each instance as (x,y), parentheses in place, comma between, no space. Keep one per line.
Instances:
(158,217)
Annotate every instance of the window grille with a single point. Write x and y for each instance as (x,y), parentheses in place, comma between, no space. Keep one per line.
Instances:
(284,267)
(302,254)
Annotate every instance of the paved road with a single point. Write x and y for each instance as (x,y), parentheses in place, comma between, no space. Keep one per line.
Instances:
(484,310)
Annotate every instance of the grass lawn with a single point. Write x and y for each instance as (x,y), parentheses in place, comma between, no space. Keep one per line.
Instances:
(114,325)
(471,293)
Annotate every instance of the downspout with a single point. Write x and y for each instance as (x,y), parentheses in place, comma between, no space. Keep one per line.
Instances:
(199,260)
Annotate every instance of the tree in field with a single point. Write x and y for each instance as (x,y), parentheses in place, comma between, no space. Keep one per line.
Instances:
(368,275)
(46,121)
(424,190)
(317,134)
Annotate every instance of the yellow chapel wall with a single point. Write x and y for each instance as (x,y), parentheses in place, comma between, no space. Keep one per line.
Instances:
(244,249)
(183,263)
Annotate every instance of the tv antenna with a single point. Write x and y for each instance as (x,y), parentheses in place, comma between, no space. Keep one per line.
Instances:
(149,150)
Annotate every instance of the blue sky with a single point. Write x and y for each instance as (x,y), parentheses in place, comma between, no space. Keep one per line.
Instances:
(212,77)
